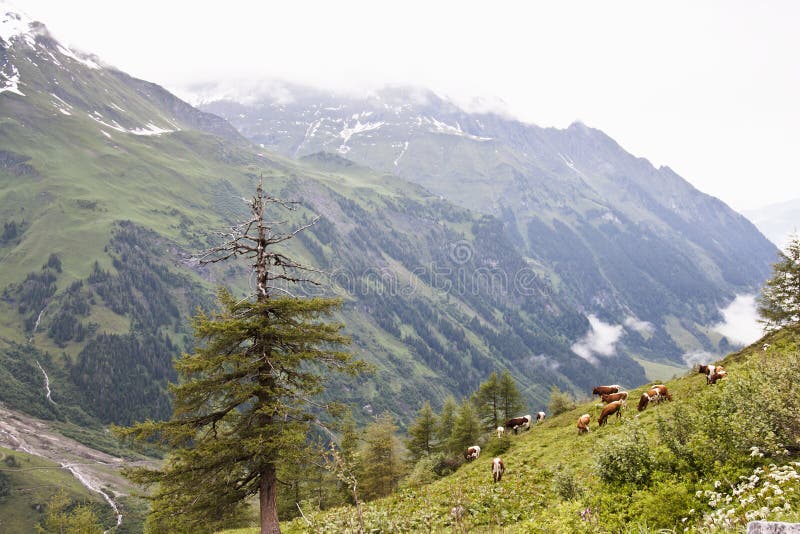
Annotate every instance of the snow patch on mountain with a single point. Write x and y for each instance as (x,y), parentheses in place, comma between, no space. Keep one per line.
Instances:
(444,128)
(9,79)
(149,128)
(358,128)
(85,61)
(405,147)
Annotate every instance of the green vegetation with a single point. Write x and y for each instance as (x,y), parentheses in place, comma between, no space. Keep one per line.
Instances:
(780,298)
(671,466)
(29,483)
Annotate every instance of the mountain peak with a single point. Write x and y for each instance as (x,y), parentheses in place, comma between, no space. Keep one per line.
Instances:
(15,24)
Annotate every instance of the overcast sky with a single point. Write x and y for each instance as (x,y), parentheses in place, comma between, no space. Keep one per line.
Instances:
(708,88)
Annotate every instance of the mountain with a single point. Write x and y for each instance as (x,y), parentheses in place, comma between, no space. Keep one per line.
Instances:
(109,184)
(777,221)
(633,245)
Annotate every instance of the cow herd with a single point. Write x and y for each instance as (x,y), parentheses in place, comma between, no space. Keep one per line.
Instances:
(614,402)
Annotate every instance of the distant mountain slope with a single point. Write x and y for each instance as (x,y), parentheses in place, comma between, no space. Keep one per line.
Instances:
(108,183)
(616,236)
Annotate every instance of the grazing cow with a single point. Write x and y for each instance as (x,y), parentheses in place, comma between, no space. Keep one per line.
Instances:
(663,392)
(540,417)
(583,423)
(614,407)
(472,453)
(500,431)
(497,469)
(606,390)
(719,375)
(708,370)
(622,395)
(519,422)
(651,395)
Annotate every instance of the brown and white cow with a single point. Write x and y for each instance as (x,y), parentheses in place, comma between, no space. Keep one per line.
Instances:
(663,392)
(718,375)
(614,407)
(519,422)
(651,395)
(472,453)
(622,395)
(583,423)
(708,370)
(540,416)
(606,390)
(498,469)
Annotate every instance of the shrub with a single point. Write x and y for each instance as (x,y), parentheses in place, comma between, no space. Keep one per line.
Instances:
(560,401)
(566,484)
(424,471)
(626,458)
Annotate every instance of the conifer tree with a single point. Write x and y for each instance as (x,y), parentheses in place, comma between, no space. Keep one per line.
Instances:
(466,428)
(780,296)
(248,396)
(422,433)
(444,425)
(488,402)
(511,402)
(381,459)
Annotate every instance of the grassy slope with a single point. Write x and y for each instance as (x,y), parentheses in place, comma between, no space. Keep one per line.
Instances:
(525,501)
(34,481)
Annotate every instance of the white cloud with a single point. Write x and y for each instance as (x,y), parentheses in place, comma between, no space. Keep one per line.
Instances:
(599,340)
(697,357)
(643,327)
(543,360)
(740,323)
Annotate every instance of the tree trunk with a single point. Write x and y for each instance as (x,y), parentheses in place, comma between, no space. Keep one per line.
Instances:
(267,500)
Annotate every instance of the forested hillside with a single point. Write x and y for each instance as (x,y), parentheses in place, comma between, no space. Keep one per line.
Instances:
(617,237)
(108,187)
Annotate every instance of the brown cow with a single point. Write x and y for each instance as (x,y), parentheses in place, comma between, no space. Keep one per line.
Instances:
(663,392)
(622,395)
(614,407)
(710,370)
(497,469)
(606,390)
(647,397)
(519,422)
(718,375)
(472,453)
(583,423)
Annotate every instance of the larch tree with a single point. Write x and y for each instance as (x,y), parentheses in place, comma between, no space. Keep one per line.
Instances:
(466,428)
(779,304)
(381,458)
(511,401)
(422,433)
(446,420)
(249,395)
(488,401)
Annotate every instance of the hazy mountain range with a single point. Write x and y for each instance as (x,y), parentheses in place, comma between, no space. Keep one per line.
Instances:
(461,242)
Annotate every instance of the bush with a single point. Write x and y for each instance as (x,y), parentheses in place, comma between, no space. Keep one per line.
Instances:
(423,472)
(497,446)
(566,484)
(627,458)
(560,401)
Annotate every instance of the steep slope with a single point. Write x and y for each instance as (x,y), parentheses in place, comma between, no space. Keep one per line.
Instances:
(108,183)
(620,238)
(555,478)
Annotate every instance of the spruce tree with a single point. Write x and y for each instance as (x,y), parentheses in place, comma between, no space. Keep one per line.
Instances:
(422,433)
(780,296)
(511,402)
(249,395)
